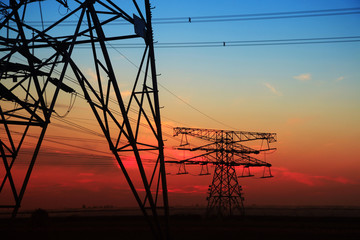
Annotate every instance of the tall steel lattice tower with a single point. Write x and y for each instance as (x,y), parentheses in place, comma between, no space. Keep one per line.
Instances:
(41,62)
(226,151)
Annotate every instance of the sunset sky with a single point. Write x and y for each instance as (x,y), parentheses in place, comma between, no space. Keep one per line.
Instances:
(306,93)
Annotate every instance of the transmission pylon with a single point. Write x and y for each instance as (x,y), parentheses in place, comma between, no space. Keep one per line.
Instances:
(40,64)
(226,151)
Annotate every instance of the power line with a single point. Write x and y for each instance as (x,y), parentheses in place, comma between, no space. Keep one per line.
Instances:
(242,43)
(266,14)
(111,98)
(97,156)
(194,108)
(212,19)
(173,94)
(229,44)
(236,17)
(76,126)
(48,139)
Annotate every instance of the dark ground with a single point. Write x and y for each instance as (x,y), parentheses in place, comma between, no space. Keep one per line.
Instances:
(182,227)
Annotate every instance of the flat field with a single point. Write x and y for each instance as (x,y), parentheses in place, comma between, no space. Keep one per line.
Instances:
(182,226)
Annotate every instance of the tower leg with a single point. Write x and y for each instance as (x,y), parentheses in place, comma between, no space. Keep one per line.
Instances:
(225,193)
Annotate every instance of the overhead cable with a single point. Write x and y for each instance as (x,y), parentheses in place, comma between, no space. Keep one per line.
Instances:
(234,17)
(245,43)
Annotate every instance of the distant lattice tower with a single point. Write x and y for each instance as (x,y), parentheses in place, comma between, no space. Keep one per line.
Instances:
(225,196)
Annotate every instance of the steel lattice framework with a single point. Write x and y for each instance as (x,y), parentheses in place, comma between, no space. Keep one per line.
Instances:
(226,150)
(37,64)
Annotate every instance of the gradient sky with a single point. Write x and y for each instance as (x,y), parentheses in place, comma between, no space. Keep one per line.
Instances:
(308,94)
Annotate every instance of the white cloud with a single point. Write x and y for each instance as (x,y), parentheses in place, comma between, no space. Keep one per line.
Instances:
(272,89)
(303,77)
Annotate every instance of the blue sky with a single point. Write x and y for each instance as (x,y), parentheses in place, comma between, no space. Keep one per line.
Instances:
(210,70)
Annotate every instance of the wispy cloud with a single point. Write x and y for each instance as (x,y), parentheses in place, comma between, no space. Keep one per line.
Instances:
(126,93)
(340,78)
(295,121)
(189,189)
(87,174)
(272,89)
(303,77)
(311,180)
(91,75)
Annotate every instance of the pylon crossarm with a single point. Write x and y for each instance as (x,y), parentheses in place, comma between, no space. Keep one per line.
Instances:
(214,147)
(188,160)
(224,135)
(240,148)
(246,160)
(204,147)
